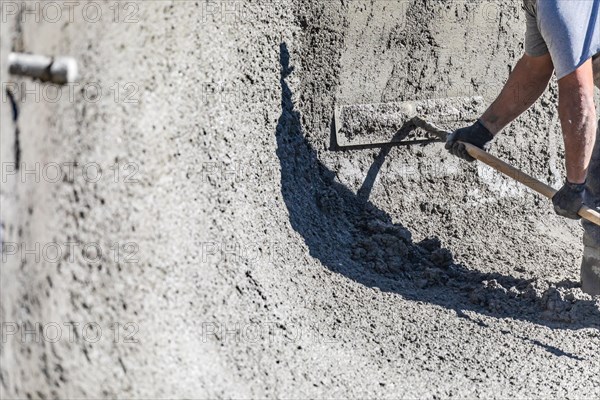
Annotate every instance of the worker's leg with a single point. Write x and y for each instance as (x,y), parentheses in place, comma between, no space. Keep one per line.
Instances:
(590,266)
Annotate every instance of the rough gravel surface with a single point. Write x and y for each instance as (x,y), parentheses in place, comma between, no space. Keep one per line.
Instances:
(265,263)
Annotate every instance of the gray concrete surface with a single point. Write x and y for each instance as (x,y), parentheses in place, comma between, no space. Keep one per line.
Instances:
(239,256)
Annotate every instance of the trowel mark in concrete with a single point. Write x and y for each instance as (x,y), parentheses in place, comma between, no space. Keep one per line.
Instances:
(384,123)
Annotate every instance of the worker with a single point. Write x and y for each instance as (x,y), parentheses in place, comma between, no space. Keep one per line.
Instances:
(561,36)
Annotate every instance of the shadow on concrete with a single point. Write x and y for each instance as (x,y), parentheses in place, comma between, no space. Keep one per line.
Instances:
(352,237)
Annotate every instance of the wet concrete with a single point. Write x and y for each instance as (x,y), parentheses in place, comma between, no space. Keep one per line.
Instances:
(264,264)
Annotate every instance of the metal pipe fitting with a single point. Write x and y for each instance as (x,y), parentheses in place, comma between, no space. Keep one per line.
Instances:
(59,70)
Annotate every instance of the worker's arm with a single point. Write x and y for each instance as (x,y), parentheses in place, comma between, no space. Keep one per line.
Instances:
(576,107)
(578,121)
(525,84)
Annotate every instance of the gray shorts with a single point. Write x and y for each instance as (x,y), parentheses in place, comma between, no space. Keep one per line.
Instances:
(568,29)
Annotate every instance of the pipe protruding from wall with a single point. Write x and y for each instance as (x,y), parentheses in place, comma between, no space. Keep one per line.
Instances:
(59,70)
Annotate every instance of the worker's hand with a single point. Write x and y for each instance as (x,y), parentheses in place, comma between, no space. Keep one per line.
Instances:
(476,134)
(568,200)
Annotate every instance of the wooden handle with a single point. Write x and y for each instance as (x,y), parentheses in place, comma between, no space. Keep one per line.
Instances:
(527,180)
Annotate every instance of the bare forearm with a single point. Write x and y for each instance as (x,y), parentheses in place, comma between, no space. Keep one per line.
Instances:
(578,120)
(525,85)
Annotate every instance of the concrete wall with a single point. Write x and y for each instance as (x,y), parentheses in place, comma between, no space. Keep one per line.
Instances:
(247,265)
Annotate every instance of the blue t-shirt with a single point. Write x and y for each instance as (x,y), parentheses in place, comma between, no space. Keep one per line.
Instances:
(568,29)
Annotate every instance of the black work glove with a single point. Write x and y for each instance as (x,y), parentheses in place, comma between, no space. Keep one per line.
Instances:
(569,199)
(476,134)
